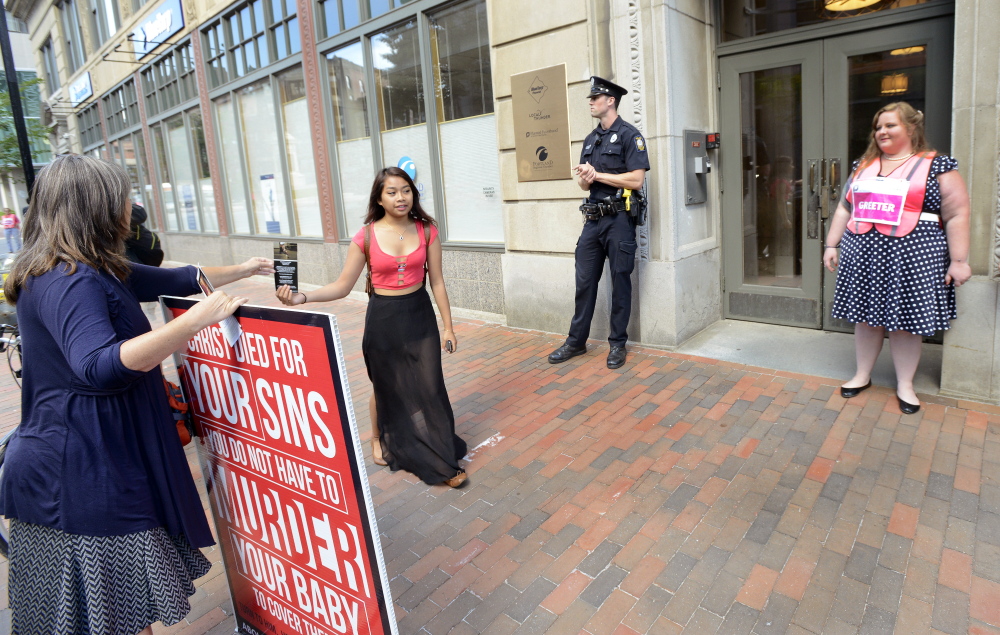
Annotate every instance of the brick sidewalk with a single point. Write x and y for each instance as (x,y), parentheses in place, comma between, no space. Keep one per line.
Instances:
(677,494)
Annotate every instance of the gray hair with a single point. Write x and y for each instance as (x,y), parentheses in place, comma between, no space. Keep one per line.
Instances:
(79,213)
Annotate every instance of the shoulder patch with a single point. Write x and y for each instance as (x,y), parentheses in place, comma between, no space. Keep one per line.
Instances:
(640,143)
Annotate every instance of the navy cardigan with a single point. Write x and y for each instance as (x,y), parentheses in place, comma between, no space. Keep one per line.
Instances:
(97,451)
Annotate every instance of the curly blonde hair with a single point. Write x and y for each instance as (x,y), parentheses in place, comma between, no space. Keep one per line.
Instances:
(910,117)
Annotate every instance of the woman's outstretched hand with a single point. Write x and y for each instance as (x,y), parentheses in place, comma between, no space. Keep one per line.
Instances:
(258,267)
(284,293)
(215,308)
(449,336)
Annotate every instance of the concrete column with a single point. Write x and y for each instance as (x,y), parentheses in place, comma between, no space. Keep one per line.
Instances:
(972,346)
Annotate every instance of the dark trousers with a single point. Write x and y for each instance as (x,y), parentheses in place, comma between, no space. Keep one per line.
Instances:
(611,237)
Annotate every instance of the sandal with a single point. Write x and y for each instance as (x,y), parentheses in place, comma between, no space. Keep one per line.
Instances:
(377,452)
(458,480)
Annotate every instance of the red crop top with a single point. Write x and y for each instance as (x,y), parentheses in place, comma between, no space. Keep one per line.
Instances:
(390,272)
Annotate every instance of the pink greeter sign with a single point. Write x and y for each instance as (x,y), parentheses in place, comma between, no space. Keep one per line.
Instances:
(879,200)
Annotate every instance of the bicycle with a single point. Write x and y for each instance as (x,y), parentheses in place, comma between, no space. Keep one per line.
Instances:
(10,344)
(4,523)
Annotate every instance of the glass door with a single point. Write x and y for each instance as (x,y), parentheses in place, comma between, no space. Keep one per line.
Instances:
(772,113)
(865,71)
(801,115)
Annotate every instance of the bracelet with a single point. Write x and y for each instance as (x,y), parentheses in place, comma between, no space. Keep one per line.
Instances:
(837,246)
(304,298)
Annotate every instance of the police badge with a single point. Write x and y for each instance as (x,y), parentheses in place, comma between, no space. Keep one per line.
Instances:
(640,143)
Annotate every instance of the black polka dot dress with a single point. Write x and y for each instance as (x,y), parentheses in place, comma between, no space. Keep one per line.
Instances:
(898,282)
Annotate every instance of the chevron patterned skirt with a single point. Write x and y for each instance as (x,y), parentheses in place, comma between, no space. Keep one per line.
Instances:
(99,585)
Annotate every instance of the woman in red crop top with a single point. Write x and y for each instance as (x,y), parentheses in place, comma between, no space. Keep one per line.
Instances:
(413,426)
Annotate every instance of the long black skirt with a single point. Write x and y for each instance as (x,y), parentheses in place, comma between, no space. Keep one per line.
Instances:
(402,351)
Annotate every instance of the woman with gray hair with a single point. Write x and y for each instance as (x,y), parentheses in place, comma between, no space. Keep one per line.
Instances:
(106,523)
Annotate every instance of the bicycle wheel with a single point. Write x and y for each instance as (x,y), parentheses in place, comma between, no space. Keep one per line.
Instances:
(14,359)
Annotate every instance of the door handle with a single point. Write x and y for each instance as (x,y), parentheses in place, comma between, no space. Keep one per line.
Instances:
(814,203)
(833,182)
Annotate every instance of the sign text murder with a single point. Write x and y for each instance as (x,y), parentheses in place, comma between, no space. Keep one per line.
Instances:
(279,478)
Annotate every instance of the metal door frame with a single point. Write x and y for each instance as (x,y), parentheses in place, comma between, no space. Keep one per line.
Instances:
(937,35)
(809,56)
(824,136)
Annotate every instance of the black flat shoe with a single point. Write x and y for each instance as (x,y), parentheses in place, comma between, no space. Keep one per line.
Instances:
(566,353)
(616,357)
(906,407)
(847,393)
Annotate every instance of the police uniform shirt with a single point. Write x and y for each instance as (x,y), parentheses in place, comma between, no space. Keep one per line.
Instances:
(617,150)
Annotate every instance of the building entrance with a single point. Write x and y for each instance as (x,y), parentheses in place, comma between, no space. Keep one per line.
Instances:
(795,115)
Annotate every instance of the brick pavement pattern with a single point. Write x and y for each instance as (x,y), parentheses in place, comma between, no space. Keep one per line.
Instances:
(676,494)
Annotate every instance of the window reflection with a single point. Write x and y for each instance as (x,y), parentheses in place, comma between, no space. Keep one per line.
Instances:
(877,79)
(299,152)
(467,127)
(747,18)
(396,57)
(771,133)
(355,163)
(402,115)
(232,165)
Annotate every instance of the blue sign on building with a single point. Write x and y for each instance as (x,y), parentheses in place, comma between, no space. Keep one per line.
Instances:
(81,89)
(166,19)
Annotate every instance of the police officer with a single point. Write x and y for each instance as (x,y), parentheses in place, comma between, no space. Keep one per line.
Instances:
(614,159)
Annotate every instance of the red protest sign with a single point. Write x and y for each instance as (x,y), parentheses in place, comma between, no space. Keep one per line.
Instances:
(282,461)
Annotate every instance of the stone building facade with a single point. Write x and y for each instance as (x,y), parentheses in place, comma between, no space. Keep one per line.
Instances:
(790,86)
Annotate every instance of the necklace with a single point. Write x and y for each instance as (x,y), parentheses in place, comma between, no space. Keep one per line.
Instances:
(902,158)
(387,225)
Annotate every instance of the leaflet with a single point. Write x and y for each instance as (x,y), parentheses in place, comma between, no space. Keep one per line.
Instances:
(286,265)
(230,326)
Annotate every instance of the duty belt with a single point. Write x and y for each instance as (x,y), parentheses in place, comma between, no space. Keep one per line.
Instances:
(594,211)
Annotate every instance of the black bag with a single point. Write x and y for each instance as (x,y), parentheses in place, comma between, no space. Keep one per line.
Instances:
(142,245)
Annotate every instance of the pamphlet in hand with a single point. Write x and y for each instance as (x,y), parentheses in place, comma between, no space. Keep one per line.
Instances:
(286,265)
(231,329)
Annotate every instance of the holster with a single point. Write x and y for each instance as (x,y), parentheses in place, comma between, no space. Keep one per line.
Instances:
(608,207)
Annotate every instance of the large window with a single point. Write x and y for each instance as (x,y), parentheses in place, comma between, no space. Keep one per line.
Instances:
(49,64)
(104,21)
(182,167)
(340,15)
(129,151)
(466,124)
(16,25)
(749,18)
(351,132)
(89,124)
(252,36)
(401,109)
(170,80)
(31,102)
(72,35)
(267,154)
(443,136)
(121,108)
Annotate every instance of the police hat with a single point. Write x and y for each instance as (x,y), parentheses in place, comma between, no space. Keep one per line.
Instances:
(601,86)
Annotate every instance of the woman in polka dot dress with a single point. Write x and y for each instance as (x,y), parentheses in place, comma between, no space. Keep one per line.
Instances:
(902,230)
